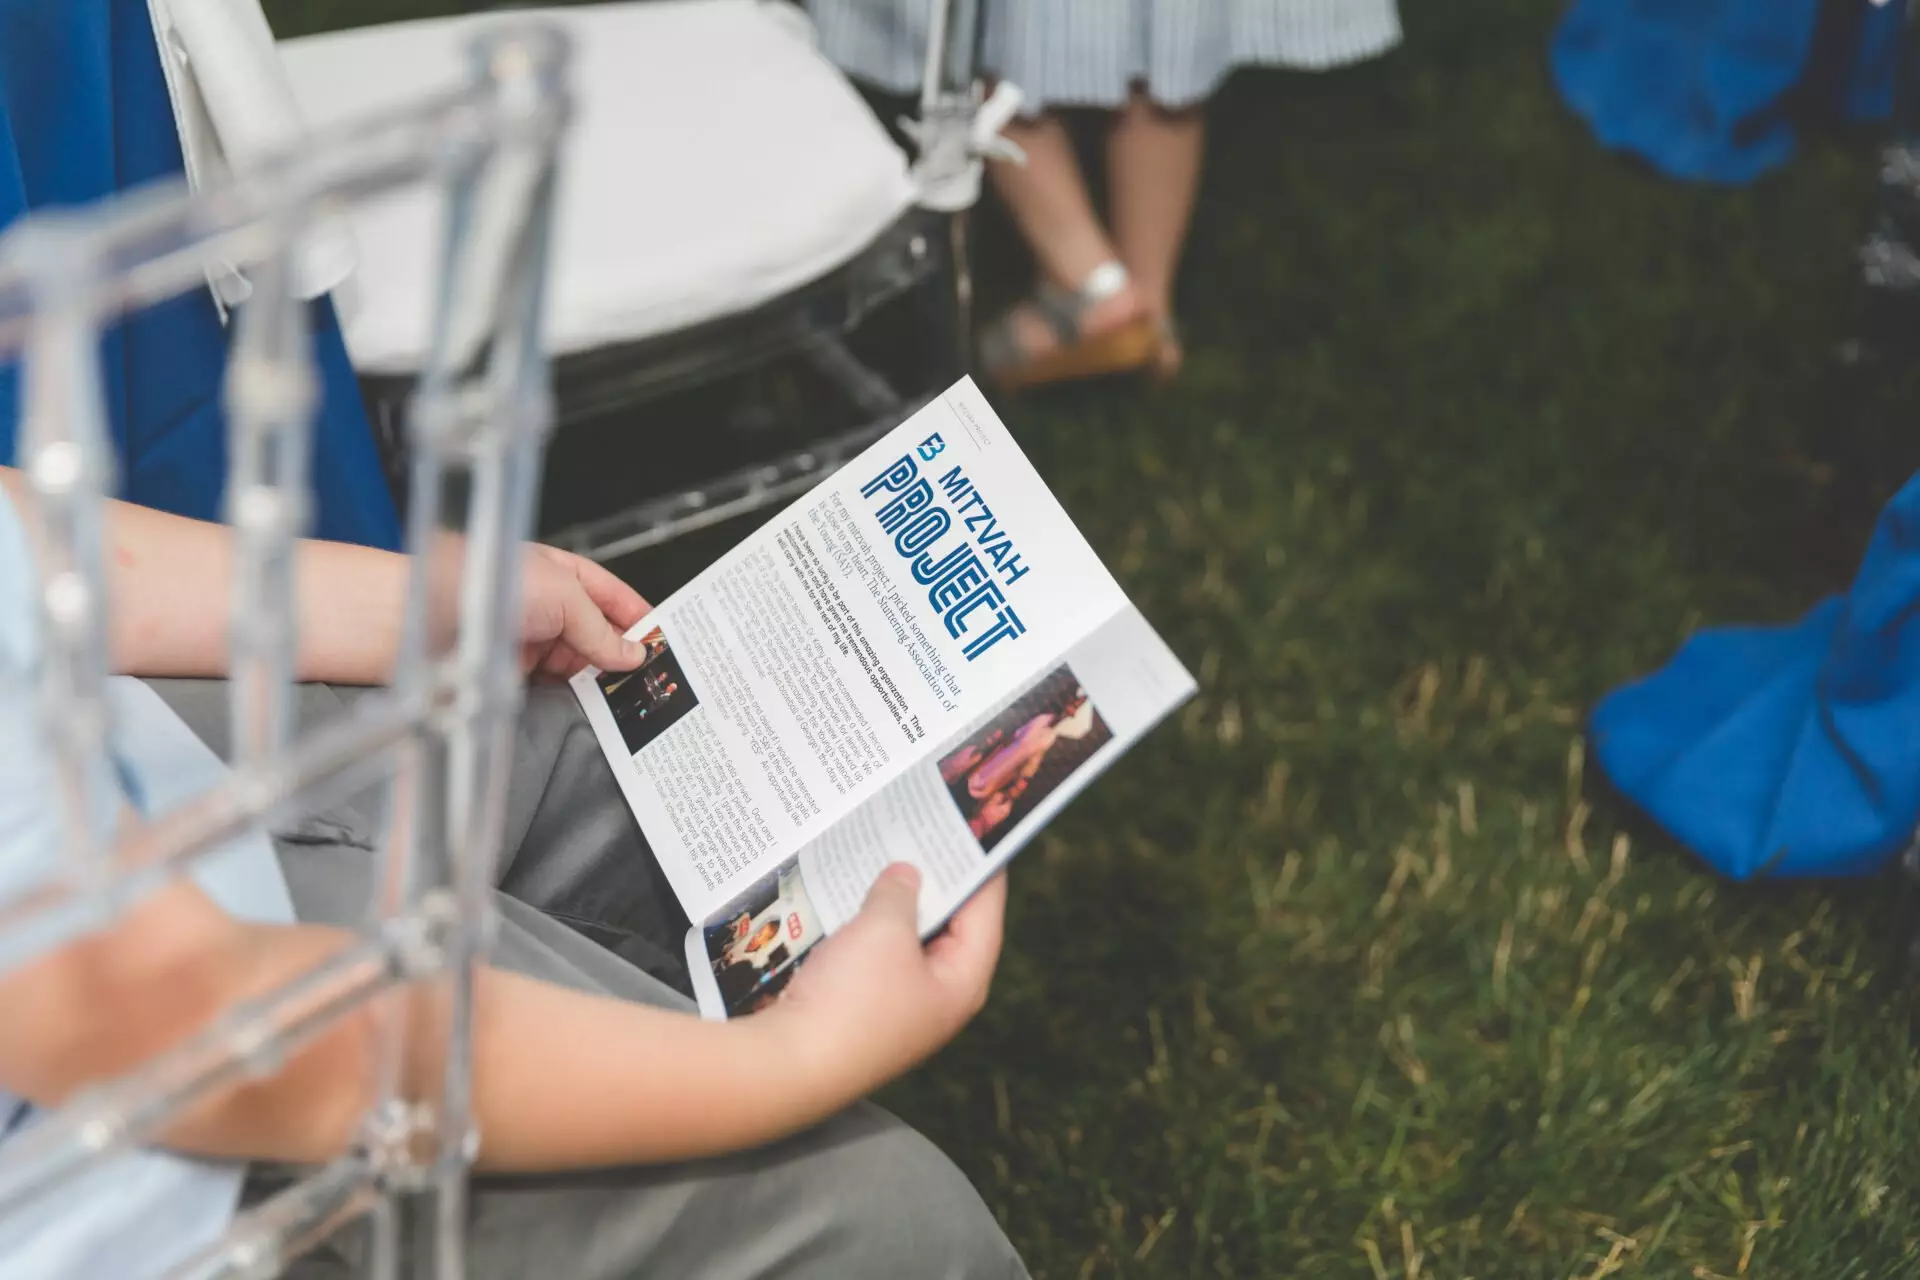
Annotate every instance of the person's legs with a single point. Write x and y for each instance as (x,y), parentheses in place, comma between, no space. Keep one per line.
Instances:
(862,1197)
(1153,173)
(571,848)
(1049,202)
(859,1196)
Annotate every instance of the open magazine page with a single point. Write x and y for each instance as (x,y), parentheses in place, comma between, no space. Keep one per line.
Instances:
(841,643)
(958,815)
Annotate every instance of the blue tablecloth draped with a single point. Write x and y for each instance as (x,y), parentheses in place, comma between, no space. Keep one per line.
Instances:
(1788,750)
(84,112)
(1705,89)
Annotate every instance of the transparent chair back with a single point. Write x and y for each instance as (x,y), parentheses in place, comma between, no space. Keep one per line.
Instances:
(438,738)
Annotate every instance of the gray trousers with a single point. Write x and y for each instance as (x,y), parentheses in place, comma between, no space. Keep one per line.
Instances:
(582,904)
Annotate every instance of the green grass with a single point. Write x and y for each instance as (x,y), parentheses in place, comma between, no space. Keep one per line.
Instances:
(1348,972)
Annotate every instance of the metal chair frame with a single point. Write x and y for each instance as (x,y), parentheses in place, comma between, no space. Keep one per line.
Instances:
(443,732)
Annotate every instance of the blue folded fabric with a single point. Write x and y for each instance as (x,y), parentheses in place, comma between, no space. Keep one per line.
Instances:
(1788,750)
(84,113)
(1703,89)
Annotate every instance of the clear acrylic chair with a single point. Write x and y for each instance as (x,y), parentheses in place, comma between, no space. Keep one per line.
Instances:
(439,737)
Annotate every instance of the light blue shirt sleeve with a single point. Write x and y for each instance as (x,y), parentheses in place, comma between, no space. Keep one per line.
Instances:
(139,1212)
(29,823)
(32,821)
(156,764)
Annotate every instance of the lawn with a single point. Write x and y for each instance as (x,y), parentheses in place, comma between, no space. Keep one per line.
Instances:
(1352,971)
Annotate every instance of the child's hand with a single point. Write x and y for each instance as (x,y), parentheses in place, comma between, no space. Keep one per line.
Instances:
(575,613)
(872,1002)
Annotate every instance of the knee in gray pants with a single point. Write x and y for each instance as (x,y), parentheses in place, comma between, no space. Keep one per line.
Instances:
(861,1197)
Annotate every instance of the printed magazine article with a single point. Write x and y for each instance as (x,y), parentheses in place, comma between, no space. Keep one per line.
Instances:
(919,660)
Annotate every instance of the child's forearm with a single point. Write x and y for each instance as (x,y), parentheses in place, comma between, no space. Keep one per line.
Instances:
(562,1079)
(567,1080)
(171,581)
(172,584)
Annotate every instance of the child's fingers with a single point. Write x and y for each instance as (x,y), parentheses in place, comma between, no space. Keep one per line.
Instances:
(895,896)
(964,955)
(622,605)
(590,634)
(561,662)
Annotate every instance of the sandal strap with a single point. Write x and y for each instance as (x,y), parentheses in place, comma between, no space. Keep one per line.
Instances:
(999,348)
(1061,309)
(1104,281)
(1064,309)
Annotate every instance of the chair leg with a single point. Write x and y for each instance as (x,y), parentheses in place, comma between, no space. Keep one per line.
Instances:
(869,390)
(386,406)
(947,303)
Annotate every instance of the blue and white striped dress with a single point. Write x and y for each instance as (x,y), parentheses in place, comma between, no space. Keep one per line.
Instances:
(1089,53)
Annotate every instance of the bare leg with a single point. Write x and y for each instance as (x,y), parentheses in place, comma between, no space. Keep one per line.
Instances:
(1048,199)
(1153,166)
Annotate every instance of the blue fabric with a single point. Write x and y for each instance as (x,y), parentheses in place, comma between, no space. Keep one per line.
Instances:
(84,112)
(1790,750)
(1702,89)
(140,1213)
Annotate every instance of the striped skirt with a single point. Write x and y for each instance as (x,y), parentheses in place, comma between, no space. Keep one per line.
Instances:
(1089,53)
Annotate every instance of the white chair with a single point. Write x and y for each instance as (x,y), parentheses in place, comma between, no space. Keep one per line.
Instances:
(725,195)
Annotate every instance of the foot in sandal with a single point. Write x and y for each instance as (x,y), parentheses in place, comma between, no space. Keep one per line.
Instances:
(1059,335)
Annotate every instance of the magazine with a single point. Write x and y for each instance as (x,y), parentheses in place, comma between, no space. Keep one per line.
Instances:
(921,660)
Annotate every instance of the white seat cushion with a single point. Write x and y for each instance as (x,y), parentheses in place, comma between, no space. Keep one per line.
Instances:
(715,161)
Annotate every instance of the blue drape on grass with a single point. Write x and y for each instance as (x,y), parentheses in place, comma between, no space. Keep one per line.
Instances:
(1709,89)
(1787,750)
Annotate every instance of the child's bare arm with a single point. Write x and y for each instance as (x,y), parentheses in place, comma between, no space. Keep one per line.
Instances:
(563,1079)
(170,580)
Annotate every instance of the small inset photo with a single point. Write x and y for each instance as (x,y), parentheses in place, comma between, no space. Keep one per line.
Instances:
(647,700)
(1014,761)
(767,930)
